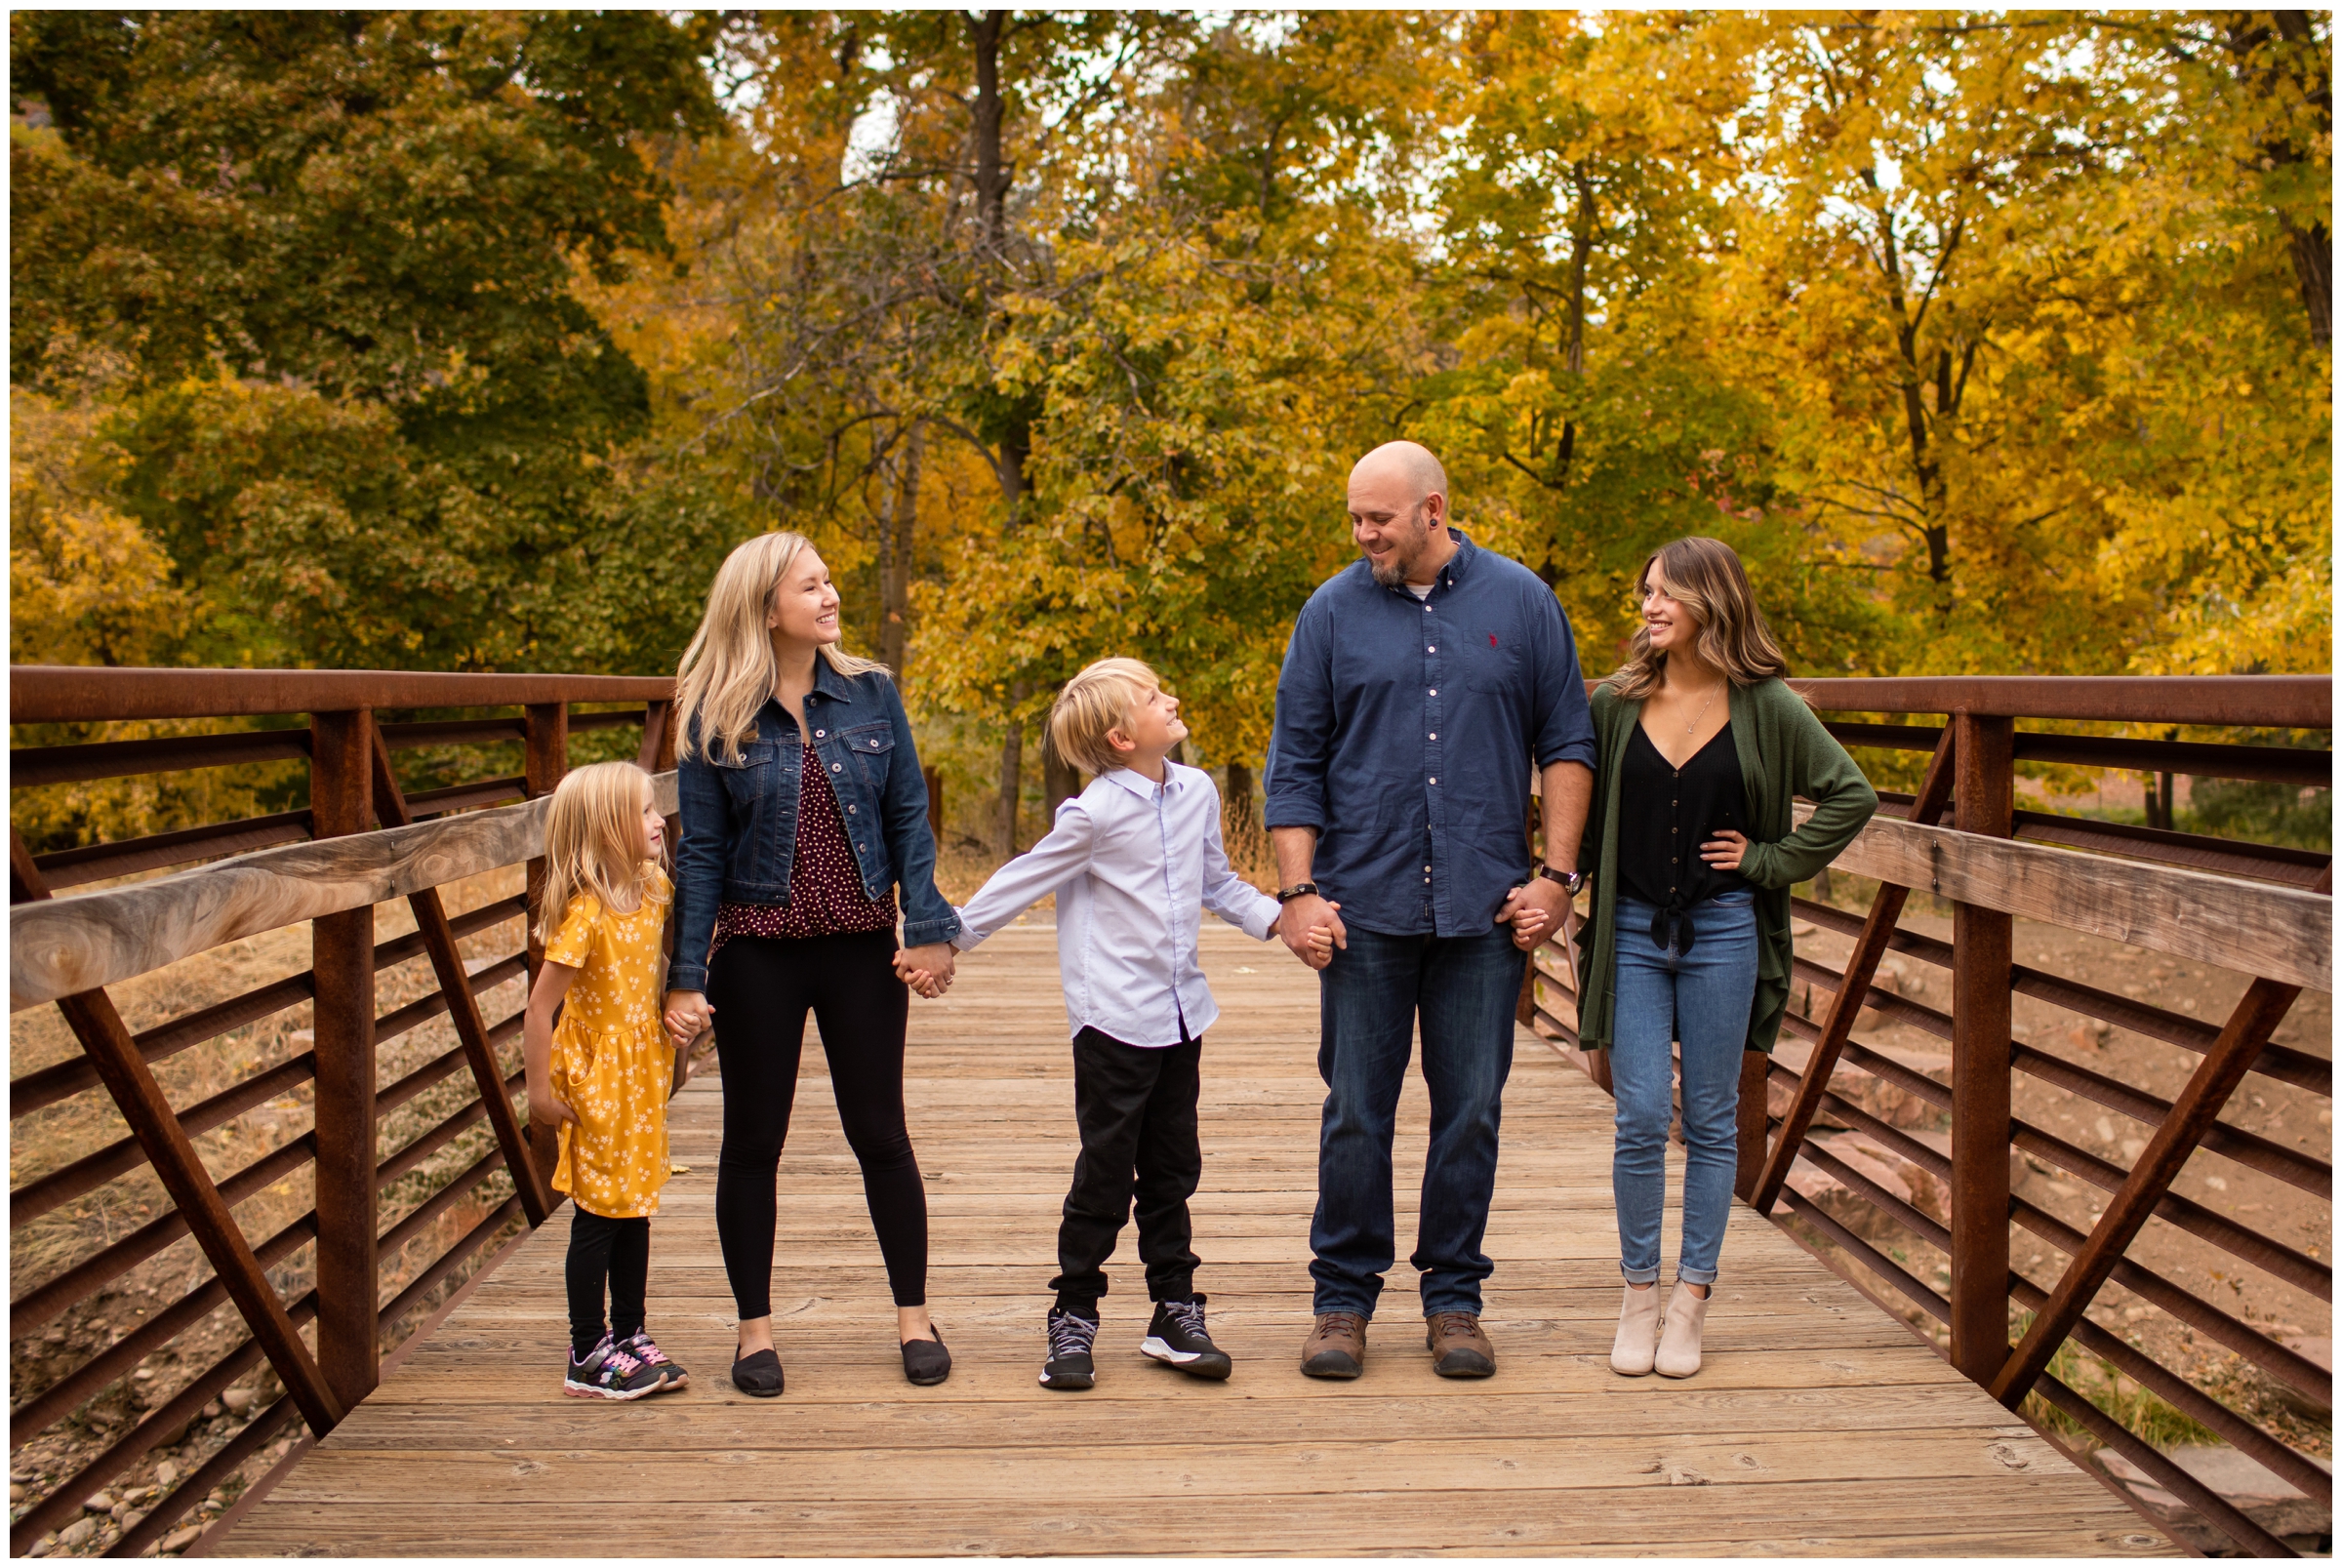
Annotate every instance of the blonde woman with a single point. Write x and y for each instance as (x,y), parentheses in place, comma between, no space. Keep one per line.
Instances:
(804,813)
(1700,743)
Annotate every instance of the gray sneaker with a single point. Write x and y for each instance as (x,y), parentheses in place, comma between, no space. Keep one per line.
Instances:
(1070,1339)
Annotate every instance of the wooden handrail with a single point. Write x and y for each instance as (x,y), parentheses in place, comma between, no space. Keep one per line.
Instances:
(2285,934)
(86,940)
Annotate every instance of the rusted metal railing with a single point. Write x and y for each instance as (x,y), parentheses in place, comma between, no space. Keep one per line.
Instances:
(324,1346)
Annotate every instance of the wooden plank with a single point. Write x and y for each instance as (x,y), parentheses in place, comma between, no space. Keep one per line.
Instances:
(1126,1515)
(90,940)
(1864,1441)
(2253,928)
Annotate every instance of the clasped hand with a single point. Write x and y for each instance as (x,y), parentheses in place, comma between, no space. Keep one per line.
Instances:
(927,969)
(1311,927)
(1535,910)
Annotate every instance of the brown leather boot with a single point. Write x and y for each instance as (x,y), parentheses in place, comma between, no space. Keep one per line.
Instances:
(1336,1347)
(1459,1349)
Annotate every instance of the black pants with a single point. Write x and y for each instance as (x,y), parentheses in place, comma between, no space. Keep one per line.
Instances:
(760,988)
(616,1250)
(1136,1107)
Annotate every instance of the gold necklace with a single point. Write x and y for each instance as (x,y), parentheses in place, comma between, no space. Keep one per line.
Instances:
(1691,729)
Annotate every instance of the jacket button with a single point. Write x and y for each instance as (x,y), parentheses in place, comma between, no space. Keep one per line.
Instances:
(849,808)
(837,766)
(821,734)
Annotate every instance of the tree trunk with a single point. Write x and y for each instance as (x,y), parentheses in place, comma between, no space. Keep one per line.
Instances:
(2312,249)
(2314,269)
(1581,251)
(898,538)
(1011,771)
(1061,781)
(1235,806)
(985,35)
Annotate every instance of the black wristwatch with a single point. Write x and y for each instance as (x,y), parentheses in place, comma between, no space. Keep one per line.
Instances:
(1288,894)
(1570,881)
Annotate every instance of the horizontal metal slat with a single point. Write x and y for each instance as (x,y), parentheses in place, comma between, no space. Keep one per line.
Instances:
(31,766)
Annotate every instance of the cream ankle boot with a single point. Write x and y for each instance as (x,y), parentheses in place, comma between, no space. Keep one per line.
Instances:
(1637,1332)
(1679,1348)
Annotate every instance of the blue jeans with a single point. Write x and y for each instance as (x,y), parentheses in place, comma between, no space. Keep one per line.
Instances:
(1701,999)
(1466,988)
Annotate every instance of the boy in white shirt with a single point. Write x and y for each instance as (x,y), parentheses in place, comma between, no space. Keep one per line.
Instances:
(1131,860)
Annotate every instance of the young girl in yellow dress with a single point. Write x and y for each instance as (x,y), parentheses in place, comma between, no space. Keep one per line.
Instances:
(604,1074)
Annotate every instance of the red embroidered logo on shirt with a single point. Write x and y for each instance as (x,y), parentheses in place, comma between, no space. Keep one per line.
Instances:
(1492,639)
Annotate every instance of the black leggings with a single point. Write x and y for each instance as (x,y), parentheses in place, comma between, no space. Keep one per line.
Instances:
(760,988)
(617,1250)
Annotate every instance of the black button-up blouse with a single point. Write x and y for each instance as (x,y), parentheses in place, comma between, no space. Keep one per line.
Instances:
(1666,813)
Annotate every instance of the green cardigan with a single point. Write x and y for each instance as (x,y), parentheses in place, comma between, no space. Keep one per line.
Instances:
(1784,752)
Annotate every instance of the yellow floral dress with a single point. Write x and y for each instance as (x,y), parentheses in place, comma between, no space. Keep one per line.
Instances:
(612,1061)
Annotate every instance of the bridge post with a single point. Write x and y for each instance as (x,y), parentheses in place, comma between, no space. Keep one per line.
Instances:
(544,759)
(342,957)
(1983,802)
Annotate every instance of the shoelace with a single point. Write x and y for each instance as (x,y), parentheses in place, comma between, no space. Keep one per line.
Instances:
(1452,1323)
(619,1361)
(1189,1315)
(647,1348)
(1071,1335)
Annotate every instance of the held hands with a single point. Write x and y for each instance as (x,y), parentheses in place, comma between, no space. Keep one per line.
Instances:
(927,969)
(1725,850)
(688,1017)
(1311,927)
(1535,910)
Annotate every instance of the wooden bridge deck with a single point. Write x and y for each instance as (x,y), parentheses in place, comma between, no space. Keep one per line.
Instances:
(1818,1426)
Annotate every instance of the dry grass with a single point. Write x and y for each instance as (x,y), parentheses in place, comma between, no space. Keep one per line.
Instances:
(59,1134)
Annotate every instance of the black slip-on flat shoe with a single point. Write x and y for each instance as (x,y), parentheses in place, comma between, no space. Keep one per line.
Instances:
(758,1375)
(926,1362)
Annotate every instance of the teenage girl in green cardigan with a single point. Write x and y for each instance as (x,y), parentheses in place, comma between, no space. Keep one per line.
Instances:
(1701,743)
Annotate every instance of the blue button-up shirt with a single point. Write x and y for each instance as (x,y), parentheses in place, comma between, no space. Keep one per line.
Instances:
(1406,731)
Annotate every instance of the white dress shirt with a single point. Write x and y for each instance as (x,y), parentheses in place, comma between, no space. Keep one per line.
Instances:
(1133,864)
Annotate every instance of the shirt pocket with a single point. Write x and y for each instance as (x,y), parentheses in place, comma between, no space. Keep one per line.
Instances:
(1491,664)
(874,750)
(753,777)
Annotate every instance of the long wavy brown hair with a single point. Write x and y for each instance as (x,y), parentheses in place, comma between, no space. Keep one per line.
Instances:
(1705,578)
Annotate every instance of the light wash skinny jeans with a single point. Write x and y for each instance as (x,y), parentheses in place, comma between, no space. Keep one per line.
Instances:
(1701,999)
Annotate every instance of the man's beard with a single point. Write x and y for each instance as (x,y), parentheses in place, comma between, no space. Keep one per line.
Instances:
(1395,575)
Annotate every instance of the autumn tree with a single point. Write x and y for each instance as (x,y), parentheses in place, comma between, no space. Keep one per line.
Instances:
(364,411)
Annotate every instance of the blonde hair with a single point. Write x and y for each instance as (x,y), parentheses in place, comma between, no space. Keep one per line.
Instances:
(1099,699)
(729,670)
(594,842)
(1705,578)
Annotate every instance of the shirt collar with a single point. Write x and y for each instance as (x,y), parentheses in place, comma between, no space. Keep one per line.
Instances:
(828,681)
(1457,566)
(1139,784)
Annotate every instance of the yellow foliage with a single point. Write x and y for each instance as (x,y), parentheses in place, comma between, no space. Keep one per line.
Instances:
(86,585)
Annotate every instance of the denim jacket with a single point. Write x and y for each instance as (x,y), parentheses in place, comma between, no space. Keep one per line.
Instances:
(740,819)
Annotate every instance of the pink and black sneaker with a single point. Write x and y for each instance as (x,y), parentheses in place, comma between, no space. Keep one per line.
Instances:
(642,1347)
(611,1372)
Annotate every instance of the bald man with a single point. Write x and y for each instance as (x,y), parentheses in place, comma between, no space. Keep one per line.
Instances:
(1420,686)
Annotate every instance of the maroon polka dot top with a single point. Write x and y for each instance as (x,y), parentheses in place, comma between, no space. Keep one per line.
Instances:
(825,897)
